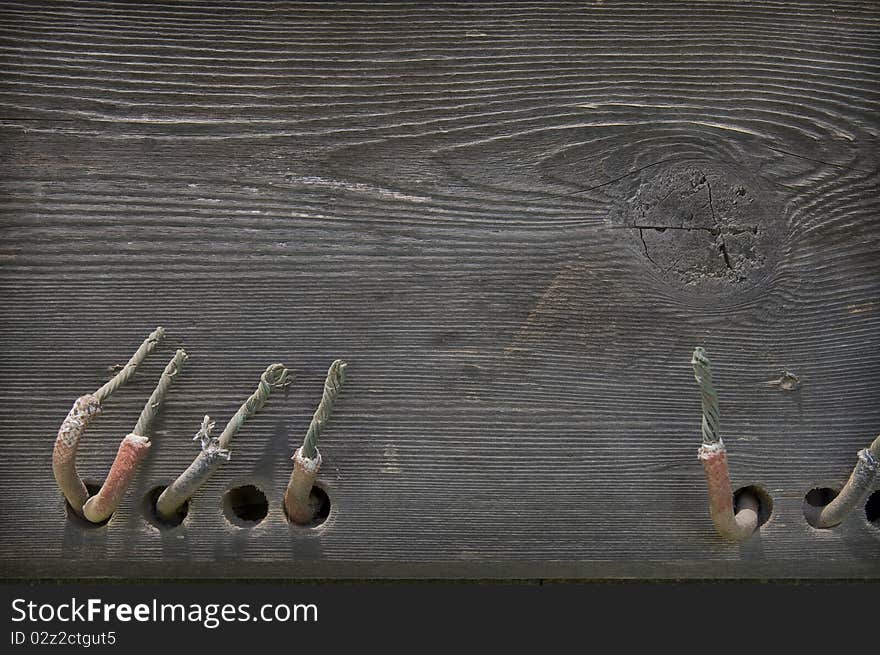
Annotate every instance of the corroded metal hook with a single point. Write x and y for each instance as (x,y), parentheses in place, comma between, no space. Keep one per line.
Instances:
(713,454)
(85,409)
(853,492)
(133,449)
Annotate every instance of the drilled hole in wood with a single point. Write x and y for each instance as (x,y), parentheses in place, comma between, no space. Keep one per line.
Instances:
(148,507)
(815,499)
(872,509)
(320,503)
(245,506)
(765,502)
(93,487)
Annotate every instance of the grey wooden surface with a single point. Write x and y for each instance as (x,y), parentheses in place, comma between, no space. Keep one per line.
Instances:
(513,221)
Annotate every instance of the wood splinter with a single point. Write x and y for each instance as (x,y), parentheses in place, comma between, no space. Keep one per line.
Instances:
(713,454)
(307,460)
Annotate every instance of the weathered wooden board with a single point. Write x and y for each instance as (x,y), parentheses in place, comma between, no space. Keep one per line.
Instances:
(514,221)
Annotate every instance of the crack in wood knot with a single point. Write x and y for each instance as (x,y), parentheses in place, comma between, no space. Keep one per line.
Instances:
(698,223)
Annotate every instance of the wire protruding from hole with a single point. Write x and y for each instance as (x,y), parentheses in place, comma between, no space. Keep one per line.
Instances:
(133,449)
(299,489)
(853,492)
(128,370)
(713,455)
(332,386)
(148,413)
(711,426)
(307,458)
(273,378)
(148,507)
(85,409)
(217,451)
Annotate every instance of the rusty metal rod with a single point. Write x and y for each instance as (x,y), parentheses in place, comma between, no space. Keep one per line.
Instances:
(85,409)
(713,454)
(100,507)
(133,449)
(297,496)
(853,492)
(733,527)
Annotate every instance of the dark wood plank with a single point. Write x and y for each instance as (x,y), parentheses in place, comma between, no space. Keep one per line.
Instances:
(515,222)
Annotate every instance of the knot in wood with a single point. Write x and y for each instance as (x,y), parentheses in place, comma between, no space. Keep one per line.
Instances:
(699,224)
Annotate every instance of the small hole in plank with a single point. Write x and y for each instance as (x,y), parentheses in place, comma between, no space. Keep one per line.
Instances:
(872,509)
(245,506)
(814,501)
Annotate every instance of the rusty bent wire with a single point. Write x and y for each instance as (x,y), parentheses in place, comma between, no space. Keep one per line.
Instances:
(215,451)
(85,409)
(133,449)
(856,488)
(732,526)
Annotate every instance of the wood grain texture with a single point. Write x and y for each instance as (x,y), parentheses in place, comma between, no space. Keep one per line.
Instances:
(513,221)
